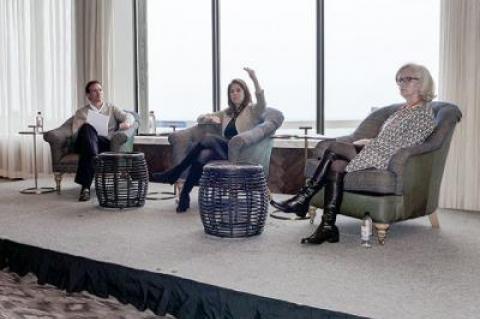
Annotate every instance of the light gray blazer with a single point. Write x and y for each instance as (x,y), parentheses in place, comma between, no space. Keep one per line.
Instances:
(248,119)
(116,116)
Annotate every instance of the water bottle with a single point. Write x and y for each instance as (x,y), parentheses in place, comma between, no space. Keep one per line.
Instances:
(39,122)
(152,123)
(366,231)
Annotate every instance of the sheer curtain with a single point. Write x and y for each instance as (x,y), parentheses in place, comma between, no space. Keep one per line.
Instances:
(35,75)
(460,83)
(94,40)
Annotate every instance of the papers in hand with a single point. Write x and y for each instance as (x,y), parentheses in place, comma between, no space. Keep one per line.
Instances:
(99,122)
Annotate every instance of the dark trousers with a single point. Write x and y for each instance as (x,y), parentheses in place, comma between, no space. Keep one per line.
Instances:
(88,145)
(210,148)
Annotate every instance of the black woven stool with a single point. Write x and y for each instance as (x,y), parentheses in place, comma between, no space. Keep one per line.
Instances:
(121,179)
(233,199)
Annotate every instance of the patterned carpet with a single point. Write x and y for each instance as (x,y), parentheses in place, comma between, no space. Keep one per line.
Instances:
(23,298)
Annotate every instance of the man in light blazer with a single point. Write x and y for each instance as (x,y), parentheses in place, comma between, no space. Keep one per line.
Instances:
(87,142)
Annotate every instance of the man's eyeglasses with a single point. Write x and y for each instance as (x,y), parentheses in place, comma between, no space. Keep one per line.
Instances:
(406,79)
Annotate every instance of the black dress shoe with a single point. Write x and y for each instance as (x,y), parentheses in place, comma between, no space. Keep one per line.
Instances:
(322,234)
(84,195)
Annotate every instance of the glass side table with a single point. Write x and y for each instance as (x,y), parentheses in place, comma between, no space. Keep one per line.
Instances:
(35,190)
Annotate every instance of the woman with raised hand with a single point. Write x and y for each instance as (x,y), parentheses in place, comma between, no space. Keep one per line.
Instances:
(240,115)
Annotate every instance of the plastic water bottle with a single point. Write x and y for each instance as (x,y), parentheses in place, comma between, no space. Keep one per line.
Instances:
(366,231)
(39,122)
(152,123)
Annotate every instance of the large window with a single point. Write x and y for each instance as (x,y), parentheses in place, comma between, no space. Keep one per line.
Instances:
(277,39)
(179,59)
(366,42)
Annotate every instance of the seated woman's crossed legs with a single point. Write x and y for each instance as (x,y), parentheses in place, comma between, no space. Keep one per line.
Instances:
(210,148)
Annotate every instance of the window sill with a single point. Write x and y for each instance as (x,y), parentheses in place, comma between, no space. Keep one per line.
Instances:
(277,142)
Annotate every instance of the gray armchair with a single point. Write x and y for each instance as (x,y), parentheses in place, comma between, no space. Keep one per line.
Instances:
(410,187)
(252,146)
(64,160)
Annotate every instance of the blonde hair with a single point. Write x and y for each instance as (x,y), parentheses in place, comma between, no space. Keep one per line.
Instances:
(427,89)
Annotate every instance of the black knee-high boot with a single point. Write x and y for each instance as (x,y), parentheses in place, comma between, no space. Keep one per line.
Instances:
(171,176)
(300,203)
(327,231)
(192,179)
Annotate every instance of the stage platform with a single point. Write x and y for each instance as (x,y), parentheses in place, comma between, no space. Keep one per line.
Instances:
(420,273)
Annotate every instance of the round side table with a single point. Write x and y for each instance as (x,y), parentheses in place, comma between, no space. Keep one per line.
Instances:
(35,190)
(233,199)
(121,179)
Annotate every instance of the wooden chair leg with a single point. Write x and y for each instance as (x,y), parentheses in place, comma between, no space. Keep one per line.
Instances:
(434,220)
(382,230)
(58,180)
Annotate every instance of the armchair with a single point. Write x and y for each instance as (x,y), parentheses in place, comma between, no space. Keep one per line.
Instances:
(252,146)
(64,160)
(409,188)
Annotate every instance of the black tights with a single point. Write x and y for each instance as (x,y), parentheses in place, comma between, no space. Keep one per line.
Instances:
(210,148)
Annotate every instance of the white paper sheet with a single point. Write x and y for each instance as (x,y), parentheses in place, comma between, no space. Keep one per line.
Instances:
(99,122)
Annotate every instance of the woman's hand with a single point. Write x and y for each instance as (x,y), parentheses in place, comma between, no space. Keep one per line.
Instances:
(363,141)
(211,119)
(124,126)
(253,76)
(251,73)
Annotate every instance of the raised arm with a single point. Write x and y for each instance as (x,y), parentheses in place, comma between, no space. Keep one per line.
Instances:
(259,108)
(253,77)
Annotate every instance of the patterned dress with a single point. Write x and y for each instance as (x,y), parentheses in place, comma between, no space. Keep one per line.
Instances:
(404,128)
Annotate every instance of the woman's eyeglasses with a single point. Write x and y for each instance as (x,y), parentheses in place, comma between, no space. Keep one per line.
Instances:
(406,79)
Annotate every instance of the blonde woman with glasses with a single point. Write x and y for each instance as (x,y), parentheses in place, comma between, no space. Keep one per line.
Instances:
(411,124)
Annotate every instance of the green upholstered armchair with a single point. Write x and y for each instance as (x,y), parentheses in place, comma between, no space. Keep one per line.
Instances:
(64,160)
(410,187)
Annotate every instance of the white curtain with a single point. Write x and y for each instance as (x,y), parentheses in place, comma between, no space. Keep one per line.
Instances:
(35,75)
(94,20)
(460,83)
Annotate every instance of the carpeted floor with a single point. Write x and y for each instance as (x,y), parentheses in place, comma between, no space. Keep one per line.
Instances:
(420,273)
(23,298)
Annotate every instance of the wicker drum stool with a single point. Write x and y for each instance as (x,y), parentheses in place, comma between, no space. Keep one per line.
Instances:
(121,179)
(233,199)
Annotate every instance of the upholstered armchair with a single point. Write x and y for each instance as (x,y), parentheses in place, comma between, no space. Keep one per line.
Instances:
(409,188)
(64,160)
(252,146)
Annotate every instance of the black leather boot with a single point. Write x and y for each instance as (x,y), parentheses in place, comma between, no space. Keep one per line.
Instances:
(168,177)
(327,231)
(184,202)
(192,179)
(300,203)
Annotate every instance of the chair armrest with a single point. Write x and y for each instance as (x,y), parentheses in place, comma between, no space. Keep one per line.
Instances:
(414,166)
(399,160)
(244,139)
(57,136)
(181,141)
(59,142)
(273,119)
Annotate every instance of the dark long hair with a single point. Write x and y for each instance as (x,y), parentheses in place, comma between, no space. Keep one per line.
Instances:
(232,111)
